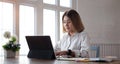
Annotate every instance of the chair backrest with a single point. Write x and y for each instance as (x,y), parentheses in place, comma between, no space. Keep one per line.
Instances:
(96,49)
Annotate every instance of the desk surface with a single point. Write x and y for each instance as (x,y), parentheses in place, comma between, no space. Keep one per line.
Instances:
(25,60)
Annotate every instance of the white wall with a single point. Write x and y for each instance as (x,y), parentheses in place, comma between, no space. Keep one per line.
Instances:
(101,19)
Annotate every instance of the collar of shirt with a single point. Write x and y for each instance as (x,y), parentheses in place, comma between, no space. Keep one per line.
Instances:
(73,34)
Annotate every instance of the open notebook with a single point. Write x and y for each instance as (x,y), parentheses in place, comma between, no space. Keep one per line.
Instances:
(87,59)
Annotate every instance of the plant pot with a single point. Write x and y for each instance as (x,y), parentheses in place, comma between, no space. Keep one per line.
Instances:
(9,54)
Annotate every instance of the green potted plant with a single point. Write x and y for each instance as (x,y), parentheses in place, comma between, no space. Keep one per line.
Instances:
(11,46)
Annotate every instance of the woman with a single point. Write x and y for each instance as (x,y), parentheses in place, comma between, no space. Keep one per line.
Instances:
(75,42)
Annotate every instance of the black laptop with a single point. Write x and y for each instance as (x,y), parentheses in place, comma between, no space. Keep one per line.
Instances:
(40,47)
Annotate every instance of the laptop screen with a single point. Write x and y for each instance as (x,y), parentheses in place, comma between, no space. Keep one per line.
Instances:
(40,47)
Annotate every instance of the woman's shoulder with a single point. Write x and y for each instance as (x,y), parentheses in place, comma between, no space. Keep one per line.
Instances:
(83,33)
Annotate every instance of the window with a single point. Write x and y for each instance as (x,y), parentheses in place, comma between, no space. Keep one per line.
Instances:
(26,26)
(65,3)
(49,1)
(6,21)
(32,17)
(61,26)
(49,24)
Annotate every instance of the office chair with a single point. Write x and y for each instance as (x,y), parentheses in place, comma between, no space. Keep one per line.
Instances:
(97,49)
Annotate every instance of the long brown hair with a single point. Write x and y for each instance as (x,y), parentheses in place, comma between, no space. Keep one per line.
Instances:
(75,18)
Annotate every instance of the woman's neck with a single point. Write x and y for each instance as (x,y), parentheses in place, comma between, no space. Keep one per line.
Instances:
(72,33)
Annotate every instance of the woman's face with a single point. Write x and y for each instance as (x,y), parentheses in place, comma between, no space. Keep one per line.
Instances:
(67,24)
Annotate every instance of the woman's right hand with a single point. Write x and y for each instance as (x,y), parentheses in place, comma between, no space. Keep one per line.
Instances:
(64,53)
(60,53)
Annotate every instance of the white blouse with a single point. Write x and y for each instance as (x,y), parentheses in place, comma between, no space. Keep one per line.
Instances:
(79,43)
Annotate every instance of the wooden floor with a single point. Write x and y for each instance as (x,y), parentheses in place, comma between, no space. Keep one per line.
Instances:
(25,60)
